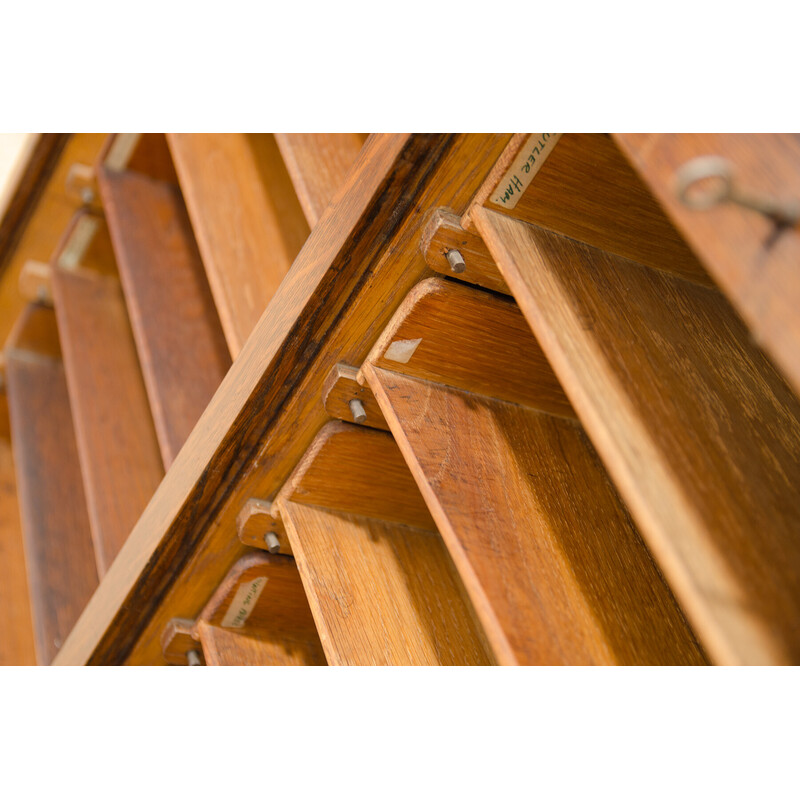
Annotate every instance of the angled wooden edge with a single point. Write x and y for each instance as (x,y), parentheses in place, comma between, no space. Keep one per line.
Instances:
(698,430)
(583,187)
(246,218)
(30,185)
(497,172)
(35,282)
(179,340)
(178,640)
(119,454)
(262,595)
(16,626)
(518,495)
(471,261)
(57,539)
(380,583)
(341,389)
(318,164)
(334,473)
(256,521)
(86,244)
(752,258)
(447,332)
(354,270)
(258,615)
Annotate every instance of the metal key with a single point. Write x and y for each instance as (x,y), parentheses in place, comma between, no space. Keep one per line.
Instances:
(724,190)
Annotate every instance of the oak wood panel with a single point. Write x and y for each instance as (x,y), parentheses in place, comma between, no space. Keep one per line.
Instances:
(178,640)
(341,387)
(753,263)
(318,164)
(32,178)
(587,190)
(247,220)
(57,538)
(16,625)
(263,602)
(38,234)
(443,234)
(178,337)
(699,432)
(258,518)
(354,270)
(555,568)
(383,590)
(498,357)
(119,454)
(227,648)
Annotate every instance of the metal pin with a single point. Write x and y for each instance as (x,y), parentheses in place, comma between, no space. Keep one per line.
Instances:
(87,195)
(455,260)
(724,190)
(273,543)
(193,659)
(358,412)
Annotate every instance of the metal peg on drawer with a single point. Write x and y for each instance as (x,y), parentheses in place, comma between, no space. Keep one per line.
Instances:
(722,188)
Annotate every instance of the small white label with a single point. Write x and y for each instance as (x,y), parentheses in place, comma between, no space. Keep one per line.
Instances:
(401,350)
(244,601)
(523,169)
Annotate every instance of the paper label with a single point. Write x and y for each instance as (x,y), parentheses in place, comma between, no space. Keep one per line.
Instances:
(401,350)
(244,601)
(523,169)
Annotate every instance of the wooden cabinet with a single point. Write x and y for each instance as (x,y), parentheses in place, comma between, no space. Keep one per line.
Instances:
(404,399)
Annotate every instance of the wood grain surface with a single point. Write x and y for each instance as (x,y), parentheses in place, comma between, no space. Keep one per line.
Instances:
(247,220)
(258,518)
(57,538)
(318,164)
(699,432)
(556,569)
(382,589)
(356,267)
(38,235)
(499,358)
(259,615)
(16,625)
(341,387)
(444,233)
(587,190)
(754,263)
(178,337)
(119,454)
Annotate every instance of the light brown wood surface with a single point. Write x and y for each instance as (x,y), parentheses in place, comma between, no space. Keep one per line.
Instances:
(57,538)
(318,164)
(753,262)
(556,569)
(357,266)
(247,220)
(178,337)
(119,454)
(16,626)
(381,585)
(258,518)
(227,648)
(499,358)
(38,237)
(444,233)
(341,388)
(259,615)
(699,432)
(587,190)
